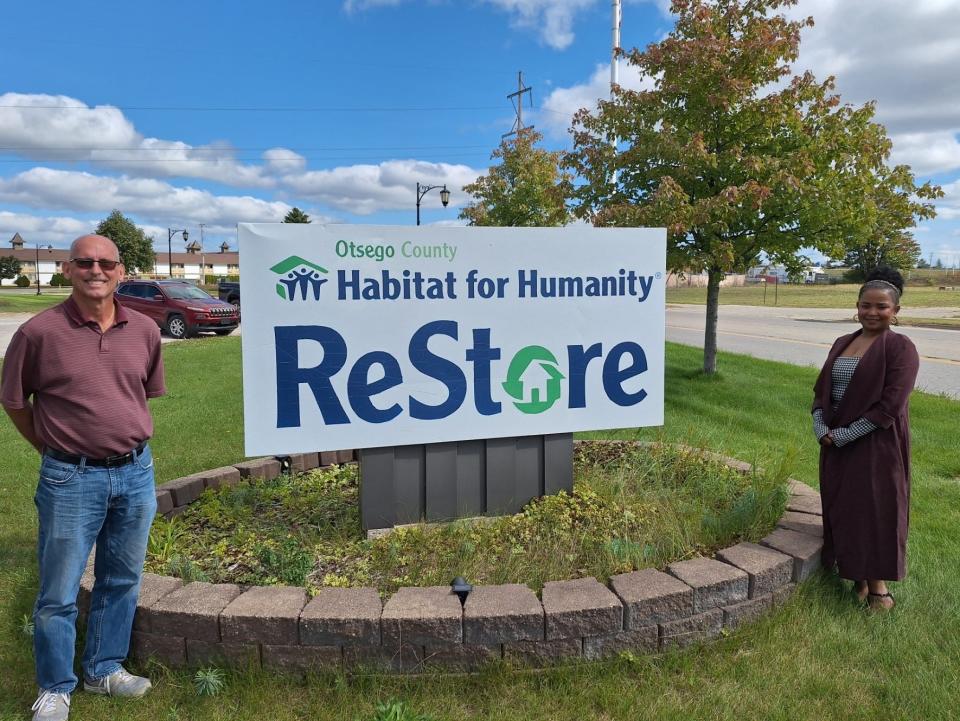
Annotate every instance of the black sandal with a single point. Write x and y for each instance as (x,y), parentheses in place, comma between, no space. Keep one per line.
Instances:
(878,605)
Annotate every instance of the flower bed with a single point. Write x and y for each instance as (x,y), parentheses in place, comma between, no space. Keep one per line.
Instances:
(281,627)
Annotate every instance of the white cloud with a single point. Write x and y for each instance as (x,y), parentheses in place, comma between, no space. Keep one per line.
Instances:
(150,200)
(283,161)
(42,229)
(391,185)
(927,153)
(58,127)
(553,19)
(558,109)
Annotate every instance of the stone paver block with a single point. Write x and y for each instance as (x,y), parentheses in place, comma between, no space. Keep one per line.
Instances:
(768,569)
(176,511)
(164,502)
(310,460)
(805,504)
(802,522)
(300,659)
(219,477)
(214,653)
(714,583)
(802,547)
(170,650)
(430,615)
(690,630)
(152,589)
(265,468)
(301,462)
(582,607)
(399,658)
(193,611)
(264,614)
(783,594)
(345,456)
(184,490)
(461,656)
(643,640)
(543,653)
(746,611)
(651,597)
(341,616)
(497,614)
(798,488)
(328,458)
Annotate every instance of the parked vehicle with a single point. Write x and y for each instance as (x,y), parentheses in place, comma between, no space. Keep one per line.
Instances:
(230,292)
(179,308)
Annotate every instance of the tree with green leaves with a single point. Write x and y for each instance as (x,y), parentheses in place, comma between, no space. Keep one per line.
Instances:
(9,267)
(296,216)
(882,236)
(733,153)
(527,187)
(136,248)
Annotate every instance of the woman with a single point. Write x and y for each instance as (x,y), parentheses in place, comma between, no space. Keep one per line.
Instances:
(861,419)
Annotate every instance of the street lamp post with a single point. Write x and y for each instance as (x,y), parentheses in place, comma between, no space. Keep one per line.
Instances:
(170,233)
(37,266)
(424,189)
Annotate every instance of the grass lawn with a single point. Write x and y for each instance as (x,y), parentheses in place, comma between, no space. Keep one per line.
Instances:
(19,301)
(813,296)
(819,657)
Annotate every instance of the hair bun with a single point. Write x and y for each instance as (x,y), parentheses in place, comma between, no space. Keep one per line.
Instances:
(887,274)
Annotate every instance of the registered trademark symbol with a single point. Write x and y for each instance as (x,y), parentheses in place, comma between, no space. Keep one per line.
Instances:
(658,275)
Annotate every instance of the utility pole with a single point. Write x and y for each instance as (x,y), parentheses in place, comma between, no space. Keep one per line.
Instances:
(517,100)
(615,66)
(203,265)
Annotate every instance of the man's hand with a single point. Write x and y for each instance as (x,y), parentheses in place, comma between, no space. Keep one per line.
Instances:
(23,420)
(827,440)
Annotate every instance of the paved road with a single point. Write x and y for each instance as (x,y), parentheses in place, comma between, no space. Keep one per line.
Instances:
(9,322)
(803,336)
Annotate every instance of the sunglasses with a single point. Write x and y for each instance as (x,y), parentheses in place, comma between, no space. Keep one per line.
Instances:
(87,263)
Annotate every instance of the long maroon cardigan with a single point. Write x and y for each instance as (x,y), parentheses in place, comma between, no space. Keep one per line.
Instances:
(865,485)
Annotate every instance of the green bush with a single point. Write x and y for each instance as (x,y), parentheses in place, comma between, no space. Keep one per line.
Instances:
(631,507)
(22,281)
(59,280)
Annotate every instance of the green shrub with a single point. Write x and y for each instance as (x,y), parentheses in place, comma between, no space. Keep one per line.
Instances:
(59,280)
(631,507)
(22,281)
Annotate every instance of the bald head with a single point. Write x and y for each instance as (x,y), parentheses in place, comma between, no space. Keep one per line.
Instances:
(94,246)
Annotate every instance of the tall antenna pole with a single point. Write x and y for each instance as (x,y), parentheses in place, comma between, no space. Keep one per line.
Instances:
(614,60)
(518,126)
(615,66)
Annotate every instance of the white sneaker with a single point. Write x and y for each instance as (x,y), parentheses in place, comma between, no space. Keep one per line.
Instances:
(51,706)
(119,683)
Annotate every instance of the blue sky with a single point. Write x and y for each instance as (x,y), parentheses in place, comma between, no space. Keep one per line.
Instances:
(182,113)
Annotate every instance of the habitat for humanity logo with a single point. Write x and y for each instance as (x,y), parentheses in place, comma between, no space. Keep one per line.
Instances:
(533,380)
(297,274)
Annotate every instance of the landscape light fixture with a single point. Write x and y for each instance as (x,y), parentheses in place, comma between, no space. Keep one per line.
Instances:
(460,587)
(170,233)
(37,266)
(424,189)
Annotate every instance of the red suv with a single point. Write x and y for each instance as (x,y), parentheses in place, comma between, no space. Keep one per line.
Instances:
(178,307)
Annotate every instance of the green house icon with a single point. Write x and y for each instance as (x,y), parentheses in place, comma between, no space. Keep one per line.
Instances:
(298,274)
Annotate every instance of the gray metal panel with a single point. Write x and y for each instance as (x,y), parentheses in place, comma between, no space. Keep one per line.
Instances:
(528,481)
(558,463)
(377,504)
(408,483)
(501,470)
(471,479)
(441,481)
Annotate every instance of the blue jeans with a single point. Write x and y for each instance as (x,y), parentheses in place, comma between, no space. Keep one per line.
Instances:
(79,505)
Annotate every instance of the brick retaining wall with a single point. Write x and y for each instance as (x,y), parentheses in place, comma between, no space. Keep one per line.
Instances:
(280,628)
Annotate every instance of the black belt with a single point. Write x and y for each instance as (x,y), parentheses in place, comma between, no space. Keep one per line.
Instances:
(108,462)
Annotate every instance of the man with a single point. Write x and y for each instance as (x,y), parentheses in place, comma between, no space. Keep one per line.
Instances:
(76,380)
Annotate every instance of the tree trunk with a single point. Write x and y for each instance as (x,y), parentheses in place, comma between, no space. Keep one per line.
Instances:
(714,277)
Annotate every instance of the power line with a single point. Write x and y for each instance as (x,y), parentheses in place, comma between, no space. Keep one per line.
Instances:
(260,109)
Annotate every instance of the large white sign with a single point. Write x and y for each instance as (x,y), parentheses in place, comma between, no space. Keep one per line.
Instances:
(357,336)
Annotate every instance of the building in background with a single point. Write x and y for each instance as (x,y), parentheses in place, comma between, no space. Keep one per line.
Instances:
(223,263)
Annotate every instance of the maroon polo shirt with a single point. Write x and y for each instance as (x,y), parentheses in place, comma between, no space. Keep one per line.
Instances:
(89,389)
